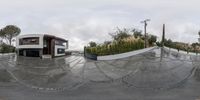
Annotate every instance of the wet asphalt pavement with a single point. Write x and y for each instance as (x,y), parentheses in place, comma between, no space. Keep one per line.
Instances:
(159,74)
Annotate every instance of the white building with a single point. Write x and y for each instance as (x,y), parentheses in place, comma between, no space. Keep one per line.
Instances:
(39,45)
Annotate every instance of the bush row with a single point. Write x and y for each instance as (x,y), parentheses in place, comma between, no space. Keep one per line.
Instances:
(116,47)
(4,48)
(182,47)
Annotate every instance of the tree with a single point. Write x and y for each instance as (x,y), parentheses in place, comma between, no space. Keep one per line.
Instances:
(2,34)
(92,44)
(137,33)
(199,36)
(199,33)
(168,43)
(9,32)
(120,34)
(152,39)
(158,44)
(107,42)
(194,46)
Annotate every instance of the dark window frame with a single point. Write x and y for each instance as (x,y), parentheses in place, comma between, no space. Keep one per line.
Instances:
(59,42)
(60,50)
(29,41)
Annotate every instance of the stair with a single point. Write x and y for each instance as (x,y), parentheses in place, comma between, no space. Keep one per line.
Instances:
(46,56)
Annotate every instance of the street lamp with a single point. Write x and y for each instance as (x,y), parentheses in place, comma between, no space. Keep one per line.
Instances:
(145,33)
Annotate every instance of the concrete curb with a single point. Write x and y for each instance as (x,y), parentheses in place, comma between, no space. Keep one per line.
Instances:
(4,54)
(181,51)
(124,55)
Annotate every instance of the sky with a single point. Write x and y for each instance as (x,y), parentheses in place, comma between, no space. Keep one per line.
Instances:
(81,21)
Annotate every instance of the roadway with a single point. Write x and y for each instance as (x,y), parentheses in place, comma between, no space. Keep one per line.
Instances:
(159,74)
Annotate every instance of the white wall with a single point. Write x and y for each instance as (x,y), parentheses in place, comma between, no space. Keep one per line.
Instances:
(124,55)
(41,36)
(55,50)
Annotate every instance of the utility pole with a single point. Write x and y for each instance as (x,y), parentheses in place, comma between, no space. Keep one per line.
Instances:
(145,33)
(162,42)
(199,36)
(163,36)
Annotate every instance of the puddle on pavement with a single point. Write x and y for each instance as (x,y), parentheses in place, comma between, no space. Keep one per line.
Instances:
(152,69)
(197,74)
(5,76)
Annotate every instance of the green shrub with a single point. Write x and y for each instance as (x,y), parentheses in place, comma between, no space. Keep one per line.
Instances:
(4,48)
(116,47)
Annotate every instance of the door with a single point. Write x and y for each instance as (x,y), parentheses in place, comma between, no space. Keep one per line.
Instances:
(47,46)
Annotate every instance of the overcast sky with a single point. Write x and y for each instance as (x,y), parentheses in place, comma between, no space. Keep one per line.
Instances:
(81,21)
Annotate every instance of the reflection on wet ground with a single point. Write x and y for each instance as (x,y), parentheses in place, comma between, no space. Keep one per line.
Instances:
(157,70)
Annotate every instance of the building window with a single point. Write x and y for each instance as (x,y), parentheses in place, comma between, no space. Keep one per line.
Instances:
(60,51)
(59,42)
(29,41)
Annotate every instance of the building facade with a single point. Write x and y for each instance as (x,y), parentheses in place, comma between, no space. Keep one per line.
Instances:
(39,45)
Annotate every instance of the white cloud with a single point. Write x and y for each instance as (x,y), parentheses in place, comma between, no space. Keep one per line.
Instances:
(82,21)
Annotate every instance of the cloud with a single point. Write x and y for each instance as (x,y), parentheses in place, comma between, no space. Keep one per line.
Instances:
(81,21)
